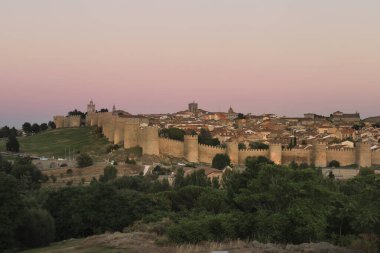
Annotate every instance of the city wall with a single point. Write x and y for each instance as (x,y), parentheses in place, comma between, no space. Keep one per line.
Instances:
(171,147)
(131,132)
(68,121)
(296,155)
(376,157)
(244,153)
(345,157)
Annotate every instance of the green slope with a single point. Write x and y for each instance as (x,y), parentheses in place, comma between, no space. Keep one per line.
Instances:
(54,142)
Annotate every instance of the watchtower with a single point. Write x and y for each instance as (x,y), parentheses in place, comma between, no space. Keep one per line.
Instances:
(191,151)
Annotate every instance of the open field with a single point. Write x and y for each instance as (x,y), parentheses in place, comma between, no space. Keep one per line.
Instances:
(52,143)
(142,242)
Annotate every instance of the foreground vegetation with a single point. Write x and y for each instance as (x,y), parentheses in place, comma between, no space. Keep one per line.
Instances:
(266,202)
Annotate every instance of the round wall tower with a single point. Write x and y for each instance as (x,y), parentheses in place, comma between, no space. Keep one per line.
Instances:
(59,121)
(233,151)
(363,155)
(149,141)
(131,135)
(191,148)
(275,153)
(319,155)
(119,131)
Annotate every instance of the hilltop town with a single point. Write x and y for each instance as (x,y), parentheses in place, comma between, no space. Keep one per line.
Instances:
(339,140)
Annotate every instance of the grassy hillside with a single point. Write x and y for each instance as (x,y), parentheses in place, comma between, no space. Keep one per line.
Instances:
(54,142)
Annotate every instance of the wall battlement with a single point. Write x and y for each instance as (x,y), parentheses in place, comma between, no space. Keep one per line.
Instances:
(350,150)
(131,132)
(253,150)
(211,147)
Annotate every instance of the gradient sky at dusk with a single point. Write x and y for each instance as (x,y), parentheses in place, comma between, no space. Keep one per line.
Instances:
(281,56)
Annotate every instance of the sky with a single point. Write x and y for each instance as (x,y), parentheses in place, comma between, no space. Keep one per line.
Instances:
(286,57)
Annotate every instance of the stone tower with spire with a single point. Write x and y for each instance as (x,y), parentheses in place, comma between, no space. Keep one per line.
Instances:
(91,107)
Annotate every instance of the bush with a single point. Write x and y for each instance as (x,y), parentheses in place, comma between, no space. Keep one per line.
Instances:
(134,152)
(84,160)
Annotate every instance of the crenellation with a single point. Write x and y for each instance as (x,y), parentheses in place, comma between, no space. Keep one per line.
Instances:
(133,132)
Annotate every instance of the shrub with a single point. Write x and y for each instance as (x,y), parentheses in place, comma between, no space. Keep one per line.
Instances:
(84,160)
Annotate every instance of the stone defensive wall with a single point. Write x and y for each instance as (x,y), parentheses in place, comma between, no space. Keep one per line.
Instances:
(207,153)
(344,156)
(376,157)
(297,155)
(68,121)
(133,131)
(171,147)
(244,153)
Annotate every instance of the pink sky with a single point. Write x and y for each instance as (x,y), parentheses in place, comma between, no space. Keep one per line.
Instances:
(286,57)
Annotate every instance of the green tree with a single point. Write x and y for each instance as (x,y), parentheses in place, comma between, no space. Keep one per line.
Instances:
(258,145)
(179,180)
(12,210)
(29,176)
(241,116)
(5,132)
(37,229)
(242,146)
(220,161)
(173,133)
(35,128)
(84,160)
(205,138)
(13,144)
(52,125)
(44,127)
(76,112)
(27,128)
(110,173)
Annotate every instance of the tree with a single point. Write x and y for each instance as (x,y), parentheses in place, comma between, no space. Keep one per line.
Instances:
(12,211)
(27,127)
(173,133)
(334,164)
(35,128)
(242,146)
(179,180)
(110,173)
(4,132)
(29,176)
(205,138)
(84,160)
(220,161)
(44,127)
(103,110)
(258,145)
(293,142)
(37,228)
(75,112)
(331,175)
(12,144)
(52,125)
(240,116)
